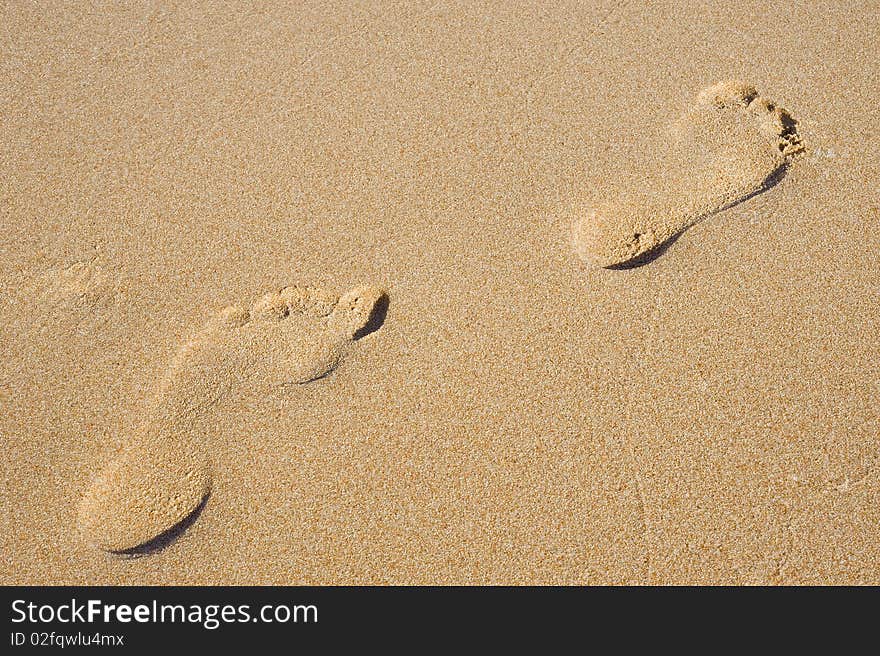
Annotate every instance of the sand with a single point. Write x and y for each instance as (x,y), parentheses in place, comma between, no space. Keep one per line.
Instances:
(730,145)
(291,337)
(463,393)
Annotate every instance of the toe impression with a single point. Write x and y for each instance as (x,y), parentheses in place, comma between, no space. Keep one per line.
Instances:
(356,309)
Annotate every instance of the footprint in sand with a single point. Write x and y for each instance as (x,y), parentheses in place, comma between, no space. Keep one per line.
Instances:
(160,482)
(730,145)
(83,291)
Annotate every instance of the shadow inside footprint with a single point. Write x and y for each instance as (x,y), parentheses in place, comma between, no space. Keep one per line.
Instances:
(377,318)
(165,539)
(649,256)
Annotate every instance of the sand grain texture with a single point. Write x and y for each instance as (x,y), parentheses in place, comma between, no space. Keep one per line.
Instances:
(730,145)
(289,337)
(521,416)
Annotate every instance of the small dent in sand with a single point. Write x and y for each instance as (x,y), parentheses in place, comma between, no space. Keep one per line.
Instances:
(84,285)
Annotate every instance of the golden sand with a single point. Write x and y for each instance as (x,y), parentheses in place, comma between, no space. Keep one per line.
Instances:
(731,144)
(289,337)
(515,414)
